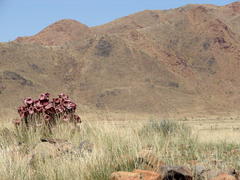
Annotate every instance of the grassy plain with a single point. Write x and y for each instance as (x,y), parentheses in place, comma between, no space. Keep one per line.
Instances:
(212,142)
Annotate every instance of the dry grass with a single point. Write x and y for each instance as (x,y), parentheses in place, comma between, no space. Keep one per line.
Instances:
(114,146)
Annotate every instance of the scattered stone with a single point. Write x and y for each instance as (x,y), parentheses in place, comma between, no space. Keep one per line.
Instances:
(42,151)
(149,159)
(224,176)
(176,173)
(45,150)
(121,175)
(136,175)
(199,169)
(62,145)
(148,175)
(53,141)
(51,148)
(66,148)
(211,173)
(86,146)
(234,173)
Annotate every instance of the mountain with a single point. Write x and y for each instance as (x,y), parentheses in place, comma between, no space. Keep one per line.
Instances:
(58,33)
(175,62)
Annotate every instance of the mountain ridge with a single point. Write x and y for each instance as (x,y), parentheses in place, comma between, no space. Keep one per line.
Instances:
(167,62)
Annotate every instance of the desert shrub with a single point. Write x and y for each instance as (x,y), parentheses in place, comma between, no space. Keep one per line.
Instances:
(164,127)
(45,113)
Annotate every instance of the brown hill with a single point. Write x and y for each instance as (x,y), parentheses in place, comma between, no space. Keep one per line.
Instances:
(183,60)
(58,33)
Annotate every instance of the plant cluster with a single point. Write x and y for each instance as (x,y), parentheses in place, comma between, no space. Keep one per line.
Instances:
(46,111)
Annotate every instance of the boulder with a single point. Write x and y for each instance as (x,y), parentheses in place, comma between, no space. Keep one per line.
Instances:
(148,175)
(211,173)
(86,146)
(121,175)
(175,173)
(199,169)
(45,150)
(149,160)
(50,149)
(136,175)
(224,176)
(234,173)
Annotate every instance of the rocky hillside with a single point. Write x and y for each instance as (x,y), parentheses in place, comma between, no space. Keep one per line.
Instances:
(173,61)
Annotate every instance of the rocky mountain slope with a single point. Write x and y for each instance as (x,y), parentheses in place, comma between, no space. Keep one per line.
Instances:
(169,62)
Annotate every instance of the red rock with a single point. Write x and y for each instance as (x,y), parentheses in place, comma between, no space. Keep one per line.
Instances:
(136,175)
(150,160)
(148,175)
(125,176)
(224,176)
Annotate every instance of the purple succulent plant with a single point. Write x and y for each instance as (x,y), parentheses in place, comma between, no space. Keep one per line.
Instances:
(50,110)
(31,110)
(47,118)
(28,101)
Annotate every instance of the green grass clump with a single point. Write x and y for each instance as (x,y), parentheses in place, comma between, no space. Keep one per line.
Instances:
(164,127)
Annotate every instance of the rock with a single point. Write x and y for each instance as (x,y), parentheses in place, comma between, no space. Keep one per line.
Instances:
(51,149)
(62,145)
(234,173)
(149,159)
(176,173)
(200,171)
(86,146)
(66,148)
(211,173)
(121,175)
(148,175)
(224,176)
(42,151)
(53,141)
(136,175)
(45,150)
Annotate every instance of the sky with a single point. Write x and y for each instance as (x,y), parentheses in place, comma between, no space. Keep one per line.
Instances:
(28,17)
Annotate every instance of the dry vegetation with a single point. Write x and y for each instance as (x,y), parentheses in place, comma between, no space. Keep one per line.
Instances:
(111,148)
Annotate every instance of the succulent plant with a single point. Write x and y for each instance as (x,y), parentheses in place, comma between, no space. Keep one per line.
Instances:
(47,111)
